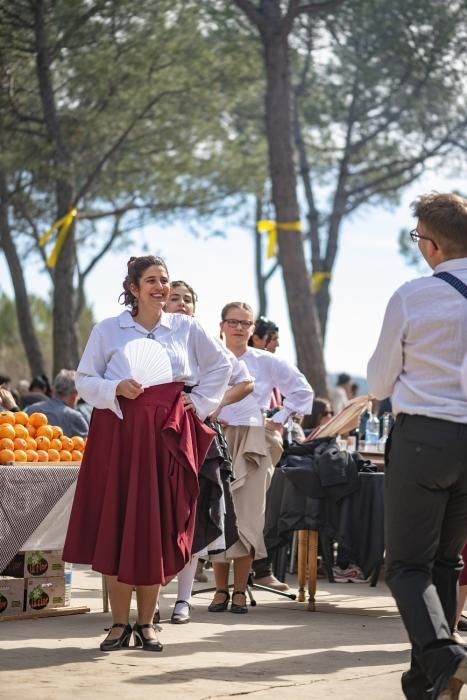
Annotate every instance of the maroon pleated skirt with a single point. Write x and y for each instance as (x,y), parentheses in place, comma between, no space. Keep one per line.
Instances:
(134,509)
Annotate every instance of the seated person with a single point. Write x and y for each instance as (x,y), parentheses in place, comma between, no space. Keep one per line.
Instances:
(39,390)
(61,408)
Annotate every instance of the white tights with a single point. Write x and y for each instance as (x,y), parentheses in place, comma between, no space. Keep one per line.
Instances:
(185,585)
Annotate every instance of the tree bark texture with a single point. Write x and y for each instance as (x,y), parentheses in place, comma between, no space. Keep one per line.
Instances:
(65,335)
(260,278)
(23,312)
(301,305)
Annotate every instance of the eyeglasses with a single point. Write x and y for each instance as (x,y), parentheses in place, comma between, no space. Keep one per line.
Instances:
(233,323)
(415,236)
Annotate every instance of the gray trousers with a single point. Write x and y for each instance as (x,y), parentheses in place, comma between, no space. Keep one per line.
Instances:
(425,530)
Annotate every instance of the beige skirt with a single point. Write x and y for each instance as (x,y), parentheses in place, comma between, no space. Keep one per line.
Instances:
(255,452)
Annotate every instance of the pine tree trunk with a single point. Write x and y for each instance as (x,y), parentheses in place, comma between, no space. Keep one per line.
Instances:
(65,335)
(301,305)
(23,312)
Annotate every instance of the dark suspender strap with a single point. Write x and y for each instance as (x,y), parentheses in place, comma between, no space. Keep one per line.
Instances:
(453,281)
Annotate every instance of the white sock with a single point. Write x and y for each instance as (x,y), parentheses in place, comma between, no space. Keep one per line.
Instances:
(185,585)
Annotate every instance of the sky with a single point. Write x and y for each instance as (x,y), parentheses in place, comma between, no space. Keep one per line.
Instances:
(368,270)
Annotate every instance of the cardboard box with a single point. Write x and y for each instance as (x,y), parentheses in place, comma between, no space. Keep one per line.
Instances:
(45,592)
(11,596)
(36,564)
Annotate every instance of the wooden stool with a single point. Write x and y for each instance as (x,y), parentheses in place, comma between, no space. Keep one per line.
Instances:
(105,595)
(307,566)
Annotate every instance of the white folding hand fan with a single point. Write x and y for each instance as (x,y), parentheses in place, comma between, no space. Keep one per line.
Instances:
(148,362)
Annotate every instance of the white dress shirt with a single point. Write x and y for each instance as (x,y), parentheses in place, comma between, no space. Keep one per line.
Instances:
(418,358)
(195,358)
(240,371)
(464,376)
(269,371)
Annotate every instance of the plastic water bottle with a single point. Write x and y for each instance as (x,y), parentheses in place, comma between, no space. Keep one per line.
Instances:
(385,435)
(372,428)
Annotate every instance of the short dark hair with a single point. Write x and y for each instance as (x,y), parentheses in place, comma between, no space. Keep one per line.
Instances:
(264,327)
(4,379)
(40,382)
(343,378)
(136,268)
(445,218)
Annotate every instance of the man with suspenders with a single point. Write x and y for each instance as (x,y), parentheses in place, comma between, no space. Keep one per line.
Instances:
(417,362)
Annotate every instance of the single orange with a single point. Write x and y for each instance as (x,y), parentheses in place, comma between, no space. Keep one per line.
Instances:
(54,455)
(42,456)
(21,417)
(7,417)
(31,443)
(7,456)
(20,456)
(45,430)
(42,442)
(76,456)
(32,456)
(6,444)
(58,432)
(65,456)
(78,442)
(67,443)
(38,419)
(7,431)
(21,431)
(20,444)
(31,430)
(55,444)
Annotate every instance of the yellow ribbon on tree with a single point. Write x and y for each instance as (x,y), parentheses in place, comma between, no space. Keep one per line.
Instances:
(62,226)
(317,279)
(270,227)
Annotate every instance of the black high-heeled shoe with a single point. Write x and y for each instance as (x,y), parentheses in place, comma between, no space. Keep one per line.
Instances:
(181,618)
(235,607)
(121,642)
(220,607)
(144,642)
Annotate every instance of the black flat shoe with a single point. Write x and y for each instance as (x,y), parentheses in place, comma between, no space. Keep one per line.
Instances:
(238,609)
(181,618)
(220,607)
(144,642)
(121,642)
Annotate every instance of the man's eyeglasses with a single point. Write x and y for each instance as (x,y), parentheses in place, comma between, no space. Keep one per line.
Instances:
(416,236)
(233,323)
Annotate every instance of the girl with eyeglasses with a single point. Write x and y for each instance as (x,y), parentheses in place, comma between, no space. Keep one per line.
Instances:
(256,445)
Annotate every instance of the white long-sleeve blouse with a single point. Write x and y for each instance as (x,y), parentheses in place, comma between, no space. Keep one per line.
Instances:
(195,358)
(269,371)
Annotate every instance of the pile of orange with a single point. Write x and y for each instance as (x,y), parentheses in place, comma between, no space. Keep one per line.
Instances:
(26,438)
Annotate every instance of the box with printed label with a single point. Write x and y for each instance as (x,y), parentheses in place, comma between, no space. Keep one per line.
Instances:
(46,592)
(11,596)
(35,564)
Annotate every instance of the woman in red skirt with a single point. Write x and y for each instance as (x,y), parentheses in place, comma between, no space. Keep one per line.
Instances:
(134,509)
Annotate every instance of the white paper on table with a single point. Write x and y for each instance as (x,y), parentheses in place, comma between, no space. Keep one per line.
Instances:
(344,421)
(52,531)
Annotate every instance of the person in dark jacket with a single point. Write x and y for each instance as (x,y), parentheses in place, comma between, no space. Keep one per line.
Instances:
(61,408)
